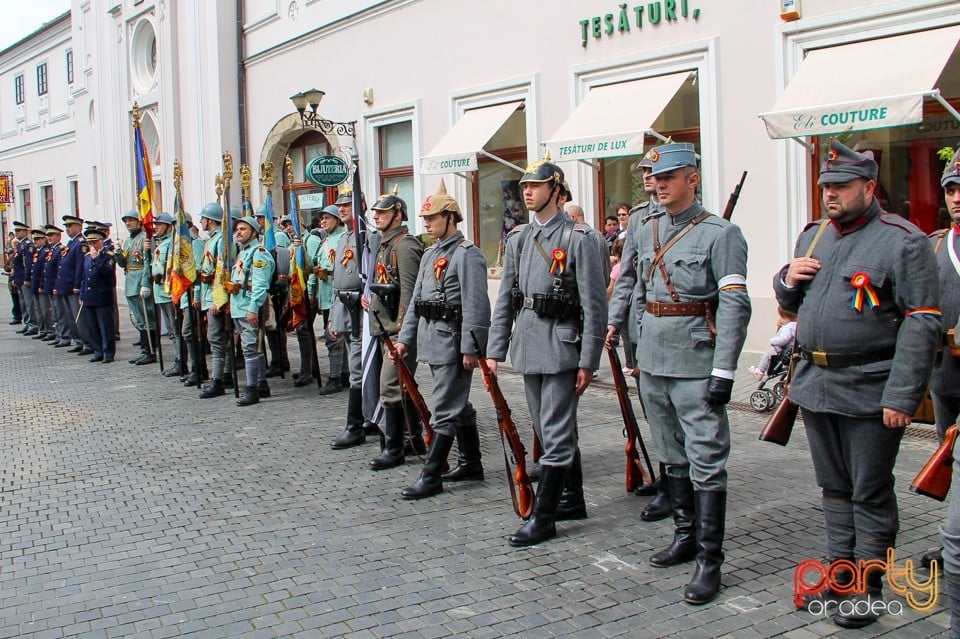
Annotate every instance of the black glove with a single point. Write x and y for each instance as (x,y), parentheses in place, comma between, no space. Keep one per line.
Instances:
(719,390)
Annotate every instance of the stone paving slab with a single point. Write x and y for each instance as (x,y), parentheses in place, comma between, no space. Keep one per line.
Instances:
(129,508)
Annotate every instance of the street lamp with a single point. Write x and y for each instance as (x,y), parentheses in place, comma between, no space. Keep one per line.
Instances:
(312,98)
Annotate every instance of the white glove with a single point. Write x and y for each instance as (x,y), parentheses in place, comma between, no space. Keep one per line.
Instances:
(145,292)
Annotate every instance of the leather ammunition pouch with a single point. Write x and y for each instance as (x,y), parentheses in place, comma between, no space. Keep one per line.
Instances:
(350,299)
(389,295)
(206,278)
(558,305)
(321,274)
(437,310)
(157,279)
(232,287)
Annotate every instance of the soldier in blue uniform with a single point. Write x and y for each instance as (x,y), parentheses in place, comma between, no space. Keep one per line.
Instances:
(159,248)
(249,288)
(218,330)
(21,233)
(550,314)
(27,250)
(276,336)
(41,300)
(134,259)
(865,286)
(61,335)
(97,294)
(450,302)
(69,275)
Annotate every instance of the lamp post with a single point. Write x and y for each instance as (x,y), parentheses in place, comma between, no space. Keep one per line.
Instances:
(311,98)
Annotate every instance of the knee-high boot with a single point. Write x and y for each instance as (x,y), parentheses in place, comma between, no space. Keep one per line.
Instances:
(683,548)
(542,524)
(572,506)
(711,508)
(951,586)
(659,506)
(193,379)
(414,446)
(468,443)
(273,345)
(392,454)
(430,482)
(353,434)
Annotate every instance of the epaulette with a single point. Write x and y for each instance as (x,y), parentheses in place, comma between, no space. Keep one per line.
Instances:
(653,214)
(814,223)
(640,207)
(465,243)
(84,248)
(515,230)
(892,219)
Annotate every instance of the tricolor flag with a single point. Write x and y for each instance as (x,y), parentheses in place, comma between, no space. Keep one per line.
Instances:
(181,264)
(298,287)
(144,176)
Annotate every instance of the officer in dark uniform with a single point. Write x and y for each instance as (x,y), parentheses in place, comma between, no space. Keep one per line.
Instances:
(550,313)
(69,275)
(868,304)
(97,294)
(41,305)
(392,282)
(25,252)
(450,302)
(61,337)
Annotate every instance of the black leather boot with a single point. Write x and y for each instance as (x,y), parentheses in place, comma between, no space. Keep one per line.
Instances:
(144,349)
(542,524)
(533,472)
(951,588)
(263,389)
(430,482)
(213,388)
(468,466)
(392,453)
(193,379)
(858,609)
(174,371)
(684,545)
(250,396)
(932,555)
(415,446)
(659,507)
(646,490)
(371,428)
(353,434)
(572,506)
(711,508)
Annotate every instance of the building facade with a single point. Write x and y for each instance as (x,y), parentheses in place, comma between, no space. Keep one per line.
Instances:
(471,92)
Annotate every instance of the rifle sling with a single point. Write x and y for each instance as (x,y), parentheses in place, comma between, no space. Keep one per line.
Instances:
(795,354)
(660,252)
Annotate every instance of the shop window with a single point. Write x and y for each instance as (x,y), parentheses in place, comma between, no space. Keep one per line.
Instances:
(396,165)
(18,89)
(310,197)
(42,79)
(25,208)
(908,183)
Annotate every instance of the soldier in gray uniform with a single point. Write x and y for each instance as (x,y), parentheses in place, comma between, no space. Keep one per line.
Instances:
(692,315)
(392,282)
(134,259)
(864,284)
(219,330)
(450,302)
(550,313)
(623,315)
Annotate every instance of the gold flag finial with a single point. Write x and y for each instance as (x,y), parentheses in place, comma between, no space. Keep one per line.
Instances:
(245,180)
(227,168)
(177,175)
(218,182)
(266,173)
(136,114)
(288,166)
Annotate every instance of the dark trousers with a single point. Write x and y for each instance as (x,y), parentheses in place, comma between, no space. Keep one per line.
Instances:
(15,307)
(853,459)
(100,329)
(945,411)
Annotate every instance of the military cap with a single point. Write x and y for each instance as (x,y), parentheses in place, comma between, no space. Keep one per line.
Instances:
(212,211)
(71,219)
(440,202)
(262,212)
(50,229)
(235,214)
(646,162)
(332,211)
(94,234)
(951,174)
(843,164)
(37,233)
(251,221)
(130,215)
(543,171)
(93,224)
(164,218)
(669,157)
(344,195)
(390,201)
(20,226)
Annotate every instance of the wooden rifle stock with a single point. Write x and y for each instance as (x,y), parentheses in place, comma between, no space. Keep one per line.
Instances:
(778,428)
(408,382)
(933,480)
(732,201)
(521,489)
(636,476)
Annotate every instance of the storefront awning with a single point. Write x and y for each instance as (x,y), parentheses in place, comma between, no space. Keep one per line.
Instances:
(612,120)
(865,85)
(457,151)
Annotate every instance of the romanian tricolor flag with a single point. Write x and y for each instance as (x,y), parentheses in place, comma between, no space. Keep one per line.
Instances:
(225,255)
(181,264)
(144,176)
(298,304)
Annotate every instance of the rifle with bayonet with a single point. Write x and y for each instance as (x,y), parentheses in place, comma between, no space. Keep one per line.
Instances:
(732,201)
(521,490)
(636,476)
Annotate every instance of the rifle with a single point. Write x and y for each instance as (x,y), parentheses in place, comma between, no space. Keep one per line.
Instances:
(778,428)
(521,490)
(407,381)
(157,318)
(933,480)
(732,201)
(228,262)
(630,429)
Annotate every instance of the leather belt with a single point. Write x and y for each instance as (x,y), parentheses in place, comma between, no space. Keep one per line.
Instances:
(839,360)
(528,302)
(133,267)
(671,309)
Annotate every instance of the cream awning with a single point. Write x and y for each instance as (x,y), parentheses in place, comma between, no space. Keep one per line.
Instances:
(457,151)
(612,119)
(865,85)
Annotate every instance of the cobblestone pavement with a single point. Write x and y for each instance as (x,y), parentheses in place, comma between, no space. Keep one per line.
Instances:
(129,508)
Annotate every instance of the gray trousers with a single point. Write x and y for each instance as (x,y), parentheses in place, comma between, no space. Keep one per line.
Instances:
(64,319)
(36,312)
(354,348)
(45,302)
(553,403)
(688,431)
(945,411)
(221,349)
(950,529)
(173,326)
(451,394)
(76,327)
(142,313)
(853,459)
(390,391)
(26,307)
(255,362)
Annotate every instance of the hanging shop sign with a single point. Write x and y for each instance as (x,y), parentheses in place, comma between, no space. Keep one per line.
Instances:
(627,18)
(6,187)
(327,170)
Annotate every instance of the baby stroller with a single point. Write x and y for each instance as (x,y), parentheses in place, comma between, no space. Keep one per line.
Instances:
(765,399)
